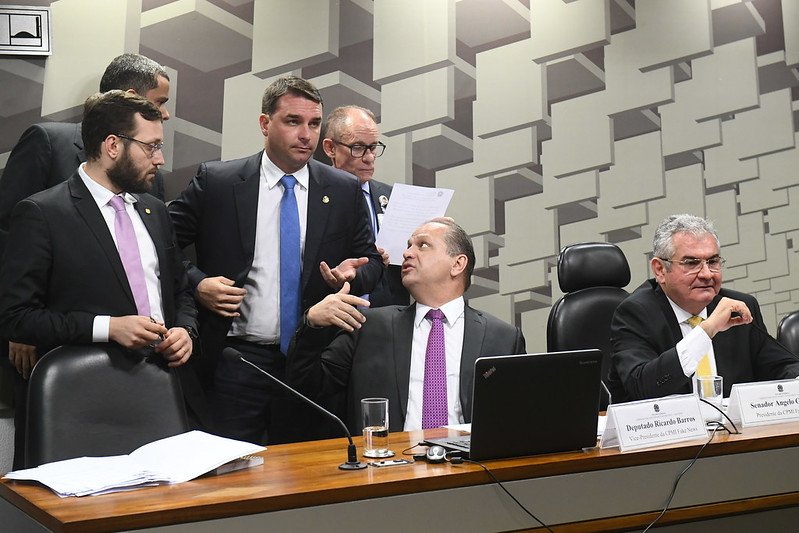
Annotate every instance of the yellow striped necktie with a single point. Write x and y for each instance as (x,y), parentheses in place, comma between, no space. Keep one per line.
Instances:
(704,365)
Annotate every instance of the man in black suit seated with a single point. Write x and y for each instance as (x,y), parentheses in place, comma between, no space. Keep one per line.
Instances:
(384,352)
(659,344)
(244,279)
(93,259)
(351,142)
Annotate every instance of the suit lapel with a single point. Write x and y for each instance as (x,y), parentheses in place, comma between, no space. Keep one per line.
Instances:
(474,328)
(90,213)
(402,333)
(316,221)
(245,193)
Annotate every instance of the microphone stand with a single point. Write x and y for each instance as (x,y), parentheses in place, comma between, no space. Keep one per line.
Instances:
(352,455)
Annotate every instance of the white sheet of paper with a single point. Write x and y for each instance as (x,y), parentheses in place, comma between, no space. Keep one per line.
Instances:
(409,207)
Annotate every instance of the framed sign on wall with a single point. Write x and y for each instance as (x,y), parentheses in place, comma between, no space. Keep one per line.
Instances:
(25,31)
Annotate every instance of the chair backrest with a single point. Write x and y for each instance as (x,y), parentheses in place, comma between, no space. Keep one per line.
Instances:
(98,400)
(788,332)
(592,276)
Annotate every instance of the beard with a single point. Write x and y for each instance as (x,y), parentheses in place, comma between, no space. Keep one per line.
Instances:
(127,177)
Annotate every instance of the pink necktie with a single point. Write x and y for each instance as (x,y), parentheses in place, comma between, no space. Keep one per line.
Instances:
(128,249)
(434,394)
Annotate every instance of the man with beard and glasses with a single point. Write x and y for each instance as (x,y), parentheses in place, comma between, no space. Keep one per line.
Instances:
(93,259)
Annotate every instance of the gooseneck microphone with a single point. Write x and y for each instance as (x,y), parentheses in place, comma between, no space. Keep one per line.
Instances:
(352,463)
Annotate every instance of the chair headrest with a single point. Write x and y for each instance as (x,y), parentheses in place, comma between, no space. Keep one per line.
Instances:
(592,264)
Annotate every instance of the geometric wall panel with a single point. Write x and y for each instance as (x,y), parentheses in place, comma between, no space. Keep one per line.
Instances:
(554,121)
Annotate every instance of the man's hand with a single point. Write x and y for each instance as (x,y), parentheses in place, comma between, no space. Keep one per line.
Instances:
(384,255)
(338,310)
(721,319)
(135,332)
(23,357)
(176,346)
(344,272)
(220,296)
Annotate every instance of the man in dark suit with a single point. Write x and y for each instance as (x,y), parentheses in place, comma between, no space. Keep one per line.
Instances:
(385,354)
(682,323)
(351,142)
(48,153)
(233,213)
(66,277)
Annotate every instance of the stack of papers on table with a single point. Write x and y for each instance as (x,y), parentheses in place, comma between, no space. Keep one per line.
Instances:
(170,460)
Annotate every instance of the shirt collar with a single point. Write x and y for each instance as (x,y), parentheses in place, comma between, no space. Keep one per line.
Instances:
(683,315)
(453,311)
(272,173)
(100,194)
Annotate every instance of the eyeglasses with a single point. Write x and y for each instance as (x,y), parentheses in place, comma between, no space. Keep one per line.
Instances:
(693,265)
(359,150)
(149,148)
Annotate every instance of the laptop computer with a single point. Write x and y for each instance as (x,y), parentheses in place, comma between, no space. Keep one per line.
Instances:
(531,404)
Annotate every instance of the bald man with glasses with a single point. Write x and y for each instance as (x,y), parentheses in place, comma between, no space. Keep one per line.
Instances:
(682,323)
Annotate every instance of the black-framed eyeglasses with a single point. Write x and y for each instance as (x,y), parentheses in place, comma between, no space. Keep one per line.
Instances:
(693,265)
(150,148)
(359,150)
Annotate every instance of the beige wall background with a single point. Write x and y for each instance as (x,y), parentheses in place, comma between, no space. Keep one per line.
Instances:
(554,121)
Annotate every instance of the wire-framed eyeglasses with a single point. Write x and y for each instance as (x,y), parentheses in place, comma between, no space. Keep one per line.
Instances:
(150,149)
(359,150)
(693,265)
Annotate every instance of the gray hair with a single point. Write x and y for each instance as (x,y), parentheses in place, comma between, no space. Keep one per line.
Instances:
(698,227)
(337,120)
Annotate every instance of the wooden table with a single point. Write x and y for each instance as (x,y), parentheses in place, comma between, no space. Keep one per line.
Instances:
(739,478)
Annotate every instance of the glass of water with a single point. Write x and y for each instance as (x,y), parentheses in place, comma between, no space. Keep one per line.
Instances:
(375,427)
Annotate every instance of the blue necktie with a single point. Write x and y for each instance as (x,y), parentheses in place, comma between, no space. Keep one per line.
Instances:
(290,263)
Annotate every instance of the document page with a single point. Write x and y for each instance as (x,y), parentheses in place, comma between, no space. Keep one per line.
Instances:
(410,206)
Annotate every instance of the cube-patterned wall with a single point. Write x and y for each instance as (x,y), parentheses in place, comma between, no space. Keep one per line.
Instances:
(555,121)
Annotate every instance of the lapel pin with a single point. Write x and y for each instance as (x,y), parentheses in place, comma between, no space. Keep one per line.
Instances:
(325,199)
(147,210)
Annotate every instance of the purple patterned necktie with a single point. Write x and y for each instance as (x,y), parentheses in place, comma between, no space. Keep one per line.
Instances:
(128,248)
(434,395)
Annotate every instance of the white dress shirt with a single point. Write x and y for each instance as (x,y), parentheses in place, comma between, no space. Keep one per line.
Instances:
(695,342)
(259,319)
(147,251)
(453,340)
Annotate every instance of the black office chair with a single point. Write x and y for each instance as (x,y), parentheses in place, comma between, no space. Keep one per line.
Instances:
(99,400)
(591,275)
(788,332)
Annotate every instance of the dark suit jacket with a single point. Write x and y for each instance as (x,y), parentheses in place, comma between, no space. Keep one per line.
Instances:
(62,268)
(645,332)
(45,155)
(217,213)
(389,291)
(375,360)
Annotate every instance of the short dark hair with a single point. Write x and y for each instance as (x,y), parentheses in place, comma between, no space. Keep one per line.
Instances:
(112,113)
(132,71)
(337,119)
(458,242)
(288,84)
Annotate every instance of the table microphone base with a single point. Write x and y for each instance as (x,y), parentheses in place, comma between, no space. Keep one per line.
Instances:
(349,465)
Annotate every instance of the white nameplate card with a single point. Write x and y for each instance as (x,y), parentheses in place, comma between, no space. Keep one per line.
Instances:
(764,402)
(657,422)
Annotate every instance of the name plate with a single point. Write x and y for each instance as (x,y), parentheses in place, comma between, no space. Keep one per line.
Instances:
(764,402)
(657,422)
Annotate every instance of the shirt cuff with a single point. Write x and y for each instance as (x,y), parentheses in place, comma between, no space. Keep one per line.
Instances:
(692,348)
(101,328)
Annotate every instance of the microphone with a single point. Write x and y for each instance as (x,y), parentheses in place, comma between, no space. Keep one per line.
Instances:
(352,463)
(607,391)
